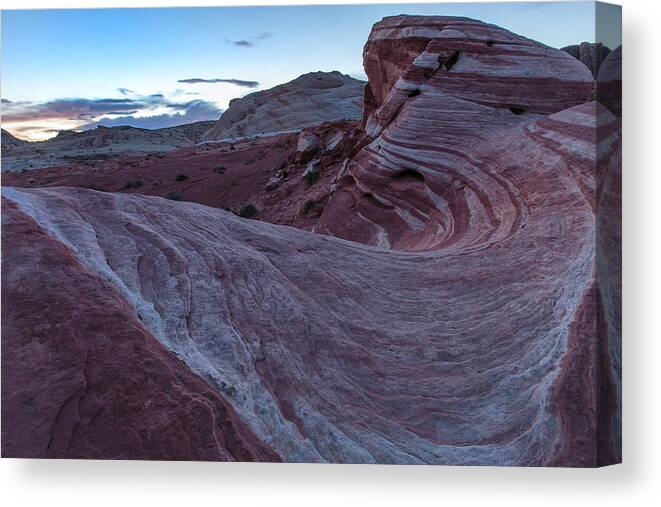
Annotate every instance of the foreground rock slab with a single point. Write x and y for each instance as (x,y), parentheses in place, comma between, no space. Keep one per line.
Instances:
(82,377)
(327,350)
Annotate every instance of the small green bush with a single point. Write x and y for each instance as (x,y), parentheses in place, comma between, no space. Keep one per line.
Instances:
(311,177)
(181,177)
(134,184)
(307,205)
(174,196)
(247,210)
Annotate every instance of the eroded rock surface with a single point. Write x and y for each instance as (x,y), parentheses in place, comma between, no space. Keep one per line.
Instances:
(473,318)
(281,322)
(590,53)
(82,377)
(453,105)
(308,100)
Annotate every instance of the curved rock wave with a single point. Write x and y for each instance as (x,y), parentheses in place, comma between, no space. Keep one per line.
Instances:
(450,99)
(461,305)
(82,377)
(335,351)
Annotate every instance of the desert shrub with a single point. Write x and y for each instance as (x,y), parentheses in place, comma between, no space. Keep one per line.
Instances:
(311,177)
(307,205)
(134,184)
(228,389)
(247,210)
(174,196)
(181,177)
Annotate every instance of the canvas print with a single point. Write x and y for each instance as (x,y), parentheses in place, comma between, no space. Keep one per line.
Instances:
(326,234)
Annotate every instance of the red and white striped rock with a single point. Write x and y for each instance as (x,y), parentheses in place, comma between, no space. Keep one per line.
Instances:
(448,97)
(474,319)
(342,352)
(82,377)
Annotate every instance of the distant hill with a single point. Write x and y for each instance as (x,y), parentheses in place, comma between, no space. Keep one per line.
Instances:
(9,141)
(306,101)
(69,146)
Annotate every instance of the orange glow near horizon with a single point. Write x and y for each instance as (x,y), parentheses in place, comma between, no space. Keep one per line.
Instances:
(40,130)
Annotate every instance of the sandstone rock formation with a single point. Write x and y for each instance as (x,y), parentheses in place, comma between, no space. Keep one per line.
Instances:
(590,53)
(82,377)
(280,323)
(100,143)
(461,306)
(447,98)
(482,147)
(306,101)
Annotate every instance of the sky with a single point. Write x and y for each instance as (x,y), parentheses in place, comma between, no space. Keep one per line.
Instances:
(159,67)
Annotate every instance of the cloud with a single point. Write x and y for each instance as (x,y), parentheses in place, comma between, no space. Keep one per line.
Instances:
(6,101)
(196,110)
(125,91)
(243,44)
(81,109)
(251,41)
(39,120)
(237,82)
(68,109)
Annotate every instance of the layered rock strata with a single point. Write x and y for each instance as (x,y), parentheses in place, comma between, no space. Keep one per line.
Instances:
(461,306)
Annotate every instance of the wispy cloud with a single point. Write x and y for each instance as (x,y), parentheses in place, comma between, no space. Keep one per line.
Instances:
(237,82)
(80,108)
(40,120)
(196,110)
(251,41)
(125,91)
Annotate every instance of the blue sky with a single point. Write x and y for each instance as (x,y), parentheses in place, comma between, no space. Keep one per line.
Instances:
(133,59)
